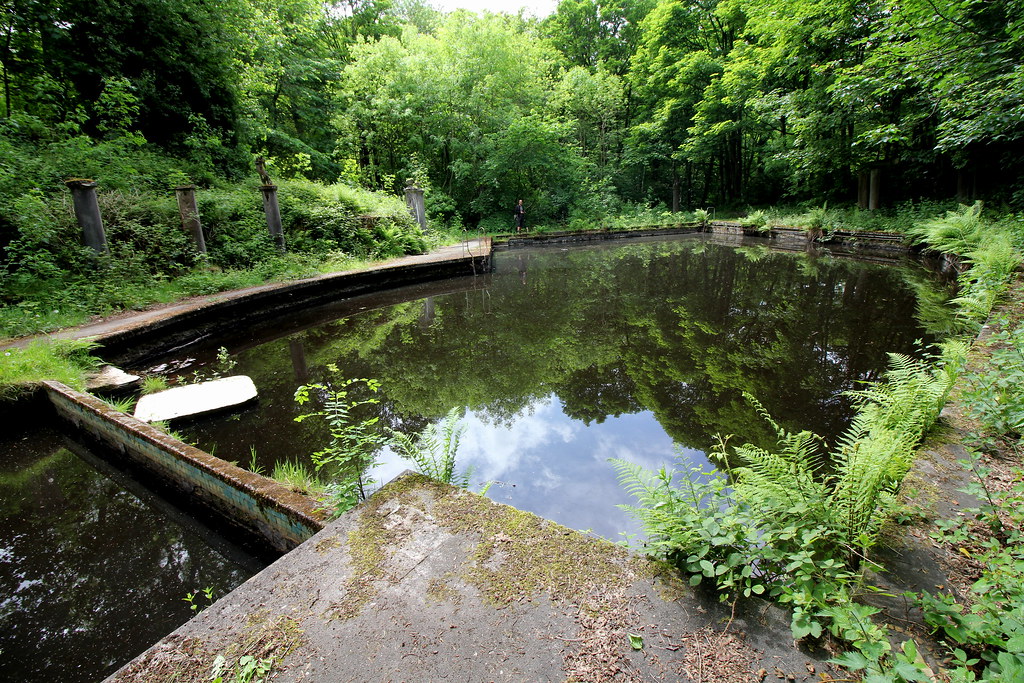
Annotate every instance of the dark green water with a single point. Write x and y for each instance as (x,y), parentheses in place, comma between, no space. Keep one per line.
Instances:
(92,573)
(565,357)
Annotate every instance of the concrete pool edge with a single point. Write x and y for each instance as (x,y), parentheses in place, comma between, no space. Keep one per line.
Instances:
(259,506)
(136,336)
(424,580)
(782,237)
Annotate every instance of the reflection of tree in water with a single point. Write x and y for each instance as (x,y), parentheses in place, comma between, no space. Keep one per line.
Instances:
(90,574)
(680,328)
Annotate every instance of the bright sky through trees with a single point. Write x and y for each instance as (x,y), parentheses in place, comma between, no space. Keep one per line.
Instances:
(538,8)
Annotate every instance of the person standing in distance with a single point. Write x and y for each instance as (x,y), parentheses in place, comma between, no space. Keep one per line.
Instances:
(520,215)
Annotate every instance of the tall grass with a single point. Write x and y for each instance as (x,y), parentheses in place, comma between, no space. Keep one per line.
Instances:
(66,361)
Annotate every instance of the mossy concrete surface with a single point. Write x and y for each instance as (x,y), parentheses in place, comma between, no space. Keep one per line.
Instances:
(426,582)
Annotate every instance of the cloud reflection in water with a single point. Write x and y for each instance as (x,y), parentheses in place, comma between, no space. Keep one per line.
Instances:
(557,467)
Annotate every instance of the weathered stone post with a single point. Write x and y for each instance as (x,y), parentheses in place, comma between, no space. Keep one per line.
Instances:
(189,211)
(427,316)
(297,351)
(414,200)
(273,212)
(863,192)
(87,211)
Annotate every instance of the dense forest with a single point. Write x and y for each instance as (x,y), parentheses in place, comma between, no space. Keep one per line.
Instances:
(683,102)
(598,109)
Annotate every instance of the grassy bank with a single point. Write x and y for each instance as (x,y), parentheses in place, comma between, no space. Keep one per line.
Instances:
(797,524)
(48,280)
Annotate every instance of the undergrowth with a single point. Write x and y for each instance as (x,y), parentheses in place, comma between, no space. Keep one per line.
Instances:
(796,524)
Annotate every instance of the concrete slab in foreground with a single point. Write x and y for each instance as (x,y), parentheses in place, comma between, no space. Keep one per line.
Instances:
(425,582)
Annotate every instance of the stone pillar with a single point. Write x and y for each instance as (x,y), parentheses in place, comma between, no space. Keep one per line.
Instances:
(273,212)
(189,211)
(414,200)
(874,201)
(862,190)
(297,351)
(87,211)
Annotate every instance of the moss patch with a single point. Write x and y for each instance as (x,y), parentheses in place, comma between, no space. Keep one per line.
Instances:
(521,554)
(328,544)
(370,544)
(440,590)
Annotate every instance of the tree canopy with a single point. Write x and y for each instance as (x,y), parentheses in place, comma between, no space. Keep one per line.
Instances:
(682,102)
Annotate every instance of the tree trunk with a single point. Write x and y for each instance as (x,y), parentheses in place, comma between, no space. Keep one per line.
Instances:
(675,188)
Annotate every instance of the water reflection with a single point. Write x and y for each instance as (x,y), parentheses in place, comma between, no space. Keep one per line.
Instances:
(90,573)
(565,357)
(547,462)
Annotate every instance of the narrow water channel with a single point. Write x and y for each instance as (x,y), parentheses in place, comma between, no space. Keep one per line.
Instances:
(93,570)
(566,357)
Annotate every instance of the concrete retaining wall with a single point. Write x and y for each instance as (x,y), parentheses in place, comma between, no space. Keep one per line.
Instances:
(789,238)
(133,345)
(260,507)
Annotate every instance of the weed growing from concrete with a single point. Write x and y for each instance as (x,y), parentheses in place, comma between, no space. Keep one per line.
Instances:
(353,442)
(433,450)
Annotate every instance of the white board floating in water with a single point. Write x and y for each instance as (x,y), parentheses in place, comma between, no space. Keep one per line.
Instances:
(195,399)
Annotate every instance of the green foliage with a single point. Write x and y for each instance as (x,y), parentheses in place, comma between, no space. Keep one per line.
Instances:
(124,404)
(352,442)
(247,669)
(957,232)
(794,524)
(755,219)
(995,395)
(50,281)
(985,638)
(991,249)
(153,384)
(433,450)
(297,475)
(65,361)
(193,599)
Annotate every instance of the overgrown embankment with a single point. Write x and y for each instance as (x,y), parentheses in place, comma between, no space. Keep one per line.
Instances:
(798,524)
(49,280)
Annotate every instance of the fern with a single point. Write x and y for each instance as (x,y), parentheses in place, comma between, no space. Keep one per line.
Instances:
(433,450)
(957,232)
(678,518)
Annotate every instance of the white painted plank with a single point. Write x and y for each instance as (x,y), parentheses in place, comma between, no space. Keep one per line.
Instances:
(195,399)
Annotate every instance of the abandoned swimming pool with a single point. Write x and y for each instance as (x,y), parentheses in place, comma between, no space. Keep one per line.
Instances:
(565,357)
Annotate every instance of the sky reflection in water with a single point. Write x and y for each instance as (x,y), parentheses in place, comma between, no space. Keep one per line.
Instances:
(568,357)
(557,467)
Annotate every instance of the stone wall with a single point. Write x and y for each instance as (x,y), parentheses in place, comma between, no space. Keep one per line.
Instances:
(258,506)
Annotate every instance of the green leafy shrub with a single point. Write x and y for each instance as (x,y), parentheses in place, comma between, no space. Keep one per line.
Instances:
(795,524)
(757,220)
(985,636)
(352,442)
(995,396)
(433,450)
